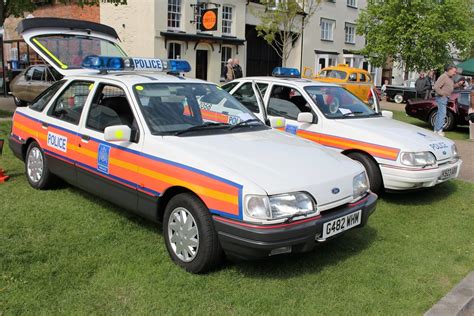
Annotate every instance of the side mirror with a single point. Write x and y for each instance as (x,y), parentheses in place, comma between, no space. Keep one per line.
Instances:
(387,114)
(117,133)
(277,122)
(305,117)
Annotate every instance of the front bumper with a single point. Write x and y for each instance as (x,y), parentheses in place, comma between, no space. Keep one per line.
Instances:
(395,178)
(248,241)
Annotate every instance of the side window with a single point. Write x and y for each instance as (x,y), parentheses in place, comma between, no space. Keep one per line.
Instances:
(38,73)
(287,102)
(246,96)
(110,107)
(43,99)
(353,77)
(229,86)
(68,106)
(362,77)
(29,73)
(464,99)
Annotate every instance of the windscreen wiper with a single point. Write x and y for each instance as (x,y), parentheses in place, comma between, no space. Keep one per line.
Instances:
(200,127)
(243,123)
(352,113)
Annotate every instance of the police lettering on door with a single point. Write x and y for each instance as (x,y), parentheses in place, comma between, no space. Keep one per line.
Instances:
(57,141)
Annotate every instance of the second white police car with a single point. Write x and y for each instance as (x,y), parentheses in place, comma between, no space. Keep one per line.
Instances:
(220,181)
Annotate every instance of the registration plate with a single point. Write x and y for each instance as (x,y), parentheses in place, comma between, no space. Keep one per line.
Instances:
(341,224)
(448,173)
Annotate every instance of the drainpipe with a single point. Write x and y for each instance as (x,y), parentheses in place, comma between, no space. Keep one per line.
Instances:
(302,39)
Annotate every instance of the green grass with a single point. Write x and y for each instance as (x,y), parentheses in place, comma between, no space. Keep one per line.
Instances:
(4,113)
(459,133)
(65,251)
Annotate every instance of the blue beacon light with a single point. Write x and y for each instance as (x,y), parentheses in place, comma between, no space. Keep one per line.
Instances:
(286,72)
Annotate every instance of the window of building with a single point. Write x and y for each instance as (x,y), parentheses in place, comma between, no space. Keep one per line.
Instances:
(327,27)
(68,106)
(174,14)
(201,6)
(226,54)
(174,51)
(352,3)
(350,33)
(227,19)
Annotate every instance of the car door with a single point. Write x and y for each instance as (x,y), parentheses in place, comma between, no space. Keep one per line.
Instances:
(62,125)
(37,83)
(109,168)
(251,98)
(21,83)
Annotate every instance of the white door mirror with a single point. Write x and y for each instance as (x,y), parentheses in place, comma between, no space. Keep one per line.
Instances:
(117,133)
(277,122)
(387,114)
(305,117)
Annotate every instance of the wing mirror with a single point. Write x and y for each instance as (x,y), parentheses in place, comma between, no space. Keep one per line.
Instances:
(277,122)
(387,114)
(305,117)
(117,133)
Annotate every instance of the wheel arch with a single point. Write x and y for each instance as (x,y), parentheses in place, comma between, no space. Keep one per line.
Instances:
(24,148)
(167,195)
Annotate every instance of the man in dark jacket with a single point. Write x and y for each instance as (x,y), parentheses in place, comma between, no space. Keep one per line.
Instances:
(422,86)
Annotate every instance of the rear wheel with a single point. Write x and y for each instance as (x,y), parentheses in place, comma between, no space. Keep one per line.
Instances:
(449,121)
(398,98)
(36,167)
(190,237)
(372,169)
(19,102)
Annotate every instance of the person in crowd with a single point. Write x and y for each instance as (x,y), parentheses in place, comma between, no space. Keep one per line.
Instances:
(229,70)
(237,69)
(422,86)
(443,87)
(384,88)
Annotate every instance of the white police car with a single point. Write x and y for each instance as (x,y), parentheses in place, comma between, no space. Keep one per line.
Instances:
(396,155)
(218,180)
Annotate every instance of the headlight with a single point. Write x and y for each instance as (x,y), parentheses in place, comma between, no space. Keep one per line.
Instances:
(360,185)
(279,206)
(419,159)
(454,150)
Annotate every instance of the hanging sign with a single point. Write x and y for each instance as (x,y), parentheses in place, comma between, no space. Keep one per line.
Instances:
(209,20)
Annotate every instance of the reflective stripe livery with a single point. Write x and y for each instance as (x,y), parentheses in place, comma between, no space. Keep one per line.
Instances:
(146,173)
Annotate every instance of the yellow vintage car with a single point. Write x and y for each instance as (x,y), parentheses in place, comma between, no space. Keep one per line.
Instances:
(356,80)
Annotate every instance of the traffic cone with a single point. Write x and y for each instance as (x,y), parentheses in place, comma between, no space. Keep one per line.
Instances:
(3,176)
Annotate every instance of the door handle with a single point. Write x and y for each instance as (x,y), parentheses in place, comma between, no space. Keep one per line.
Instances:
(85,138)
(44,125)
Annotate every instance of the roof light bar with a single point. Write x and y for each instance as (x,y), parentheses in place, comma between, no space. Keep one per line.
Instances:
(286,72)
(108,63)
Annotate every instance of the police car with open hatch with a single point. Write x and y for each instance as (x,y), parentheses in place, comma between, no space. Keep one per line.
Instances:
(396,155)
(138,133)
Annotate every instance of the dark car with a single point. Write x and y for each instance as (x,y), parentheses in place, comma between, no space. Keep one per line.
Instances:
(27,85)
(402,93)
(456,114)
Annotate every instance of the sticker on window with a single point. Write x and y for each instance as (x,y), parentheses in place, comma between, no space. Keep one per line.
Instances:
(103,158)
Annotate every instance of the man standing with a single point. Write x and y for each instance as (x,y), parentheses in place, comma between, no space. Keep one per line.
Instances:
(443,87)
(422,85)
(229,70)
(237,69)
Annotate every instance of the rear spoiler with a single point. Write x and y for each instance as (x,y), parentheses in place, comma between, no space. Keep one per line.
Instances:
(78,25)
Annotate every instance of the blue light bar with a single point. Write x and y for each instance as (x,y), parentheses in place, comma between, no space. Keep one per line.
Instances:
(106,63)
(178,66)
(103,62)
(286,72)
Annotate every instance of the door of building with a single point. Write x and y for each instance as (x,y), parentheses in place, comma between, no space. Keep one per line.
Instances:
(201,64)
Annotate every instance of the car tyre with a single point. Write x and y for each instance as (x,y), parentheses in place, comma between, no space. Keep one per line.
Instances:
(190,236)
(19,102)
(398,98)
(36,168)
(372,169)
(449,124)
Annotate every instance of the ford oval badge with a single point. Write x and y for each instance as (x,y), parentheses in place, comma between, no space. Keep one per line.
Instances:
(444,153)
(335,190)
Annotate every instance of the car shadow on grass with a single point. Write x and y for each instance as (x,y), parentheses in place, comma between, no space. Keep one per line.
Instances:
(422,196)
(330,253)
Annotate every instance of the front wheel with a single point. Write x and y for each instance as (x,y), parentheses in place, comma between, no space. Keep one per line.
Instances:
(36,167)
(449,121)
(398,98)
(190,236)
(372,169)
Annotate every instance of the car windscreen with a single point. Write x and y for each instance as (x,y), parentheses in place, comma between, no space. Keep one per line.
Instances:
(336,74)
(172,108)
(68,51)
(337,102)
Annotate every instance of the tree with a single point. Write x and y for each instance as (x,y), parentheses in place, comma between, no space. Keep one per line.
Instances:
(282,23)
(17,8)
(419,34)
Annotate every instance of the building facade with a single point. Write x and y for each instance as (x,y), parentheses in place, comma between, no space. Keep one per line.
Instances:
(172,29)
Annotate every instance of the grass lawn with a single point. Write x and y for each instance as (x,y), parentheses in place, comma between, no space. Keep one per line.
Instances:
(65,251)
(4,113)
(459,133)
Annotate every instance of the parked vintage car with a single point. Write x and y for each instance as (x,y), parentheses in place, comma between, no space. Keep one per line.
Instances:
(31,82)
(402,93)
(456,114)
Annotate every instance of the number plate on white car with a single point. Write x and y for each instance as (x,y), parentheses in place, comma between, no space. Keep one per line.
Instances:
(341,224)
(449,173)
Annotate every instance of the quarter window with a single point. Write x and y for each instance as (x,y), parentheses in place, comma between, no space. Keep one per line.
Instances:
(287,102)
(362,77)
(174,14)
(327,27)
(68,106)
(353,77)
(227,19)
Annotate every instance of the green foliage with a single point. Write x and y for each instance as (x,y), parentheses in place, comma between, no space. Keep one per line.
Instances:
(282,23)
(421,34)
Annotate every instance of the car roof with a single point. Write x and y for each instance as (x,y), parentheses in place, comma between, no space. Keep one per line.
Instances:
(136,77)
(301,82)
(342,68)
